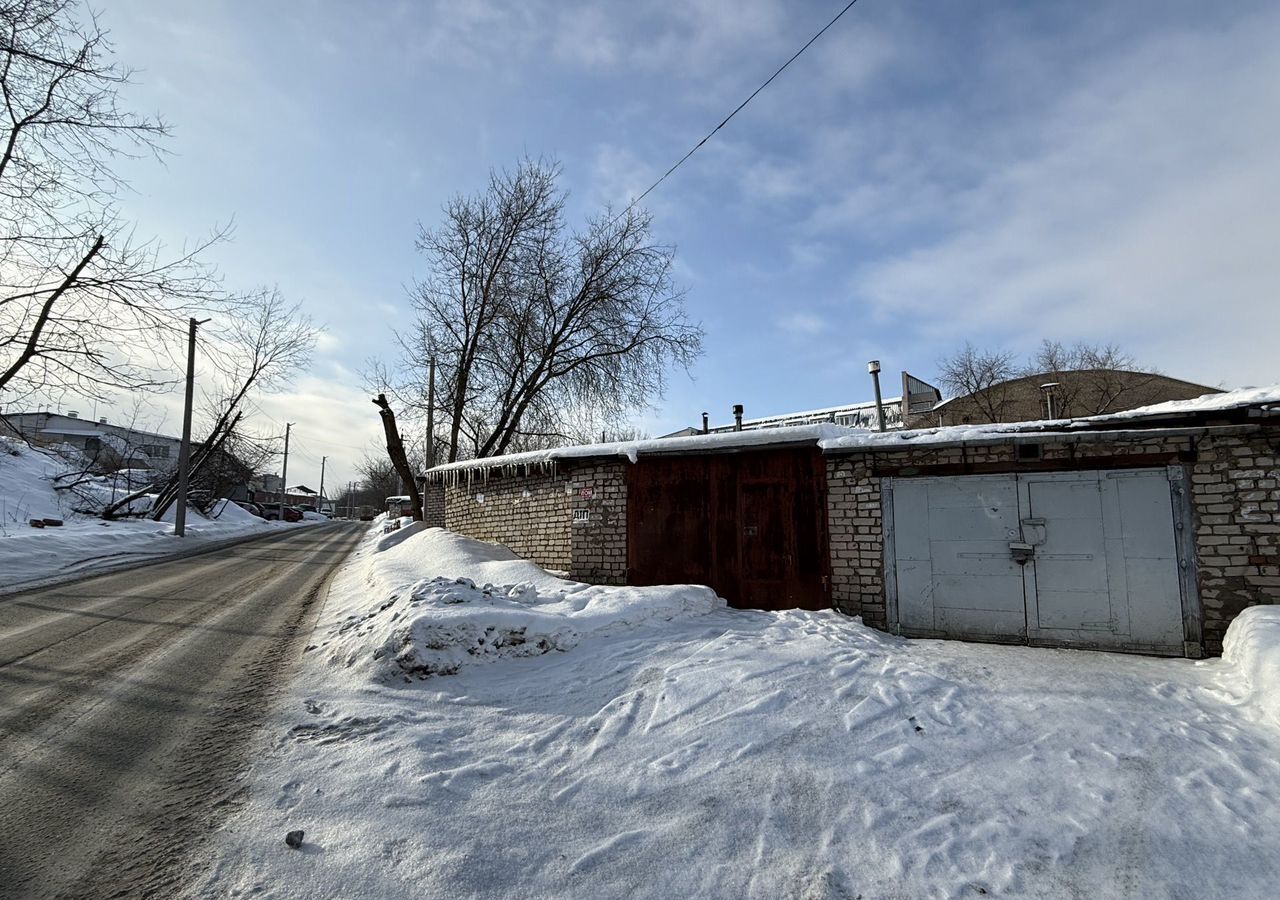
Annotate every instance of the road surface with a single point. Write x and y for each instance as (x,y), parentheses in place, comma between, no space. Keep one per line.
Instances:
(128,703)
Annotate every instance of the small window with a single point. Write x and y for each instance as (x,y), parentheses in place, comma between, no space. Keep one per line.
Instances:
(1029,451)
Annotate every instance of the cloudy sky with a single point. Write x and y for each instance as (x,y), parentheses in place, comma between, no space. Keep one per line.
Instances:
(928,173)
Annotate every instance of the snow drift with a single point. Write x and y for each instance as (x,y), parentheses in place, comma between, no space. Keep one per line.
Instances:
(1252,645)
(731,753)
(419,615)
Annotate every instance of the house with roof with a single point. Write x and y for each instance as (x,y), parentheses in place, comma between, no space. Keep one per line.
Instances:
(108,446)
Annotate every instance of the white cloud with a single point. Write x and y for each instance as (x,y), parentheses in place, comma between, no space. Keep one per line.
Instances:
(1145,210)
(802,324)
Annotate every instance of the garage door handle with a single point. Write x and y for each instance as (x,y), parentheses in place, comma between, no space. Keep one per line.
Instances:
(1022,552)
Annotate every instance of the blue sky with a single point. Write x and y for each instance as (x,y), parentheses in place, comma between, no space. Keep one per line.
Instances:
(927,173)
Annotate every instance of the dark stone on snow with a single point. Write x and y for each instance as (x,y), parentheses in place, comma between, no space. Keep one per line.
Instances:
(294,838)
(53,523)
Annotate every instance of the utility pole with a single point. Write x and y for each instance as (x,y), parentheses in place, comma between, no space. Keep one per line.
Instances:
(351,497)
(184,451)
(320,499)
(284,469)
(431,415)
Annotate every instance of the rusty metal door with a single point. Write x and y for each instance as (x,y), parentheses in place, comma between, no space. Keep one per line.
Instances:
(751,525)
(669,534)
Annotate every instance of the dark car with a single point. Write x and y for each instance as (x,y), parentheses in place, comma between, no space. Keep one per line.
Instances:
(271,512)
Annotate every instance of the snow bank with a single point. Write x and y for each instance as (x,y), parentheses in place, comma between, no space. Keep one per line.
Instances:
(433,601)
(732,754)
(26,484)
(228,511)
(1252,645)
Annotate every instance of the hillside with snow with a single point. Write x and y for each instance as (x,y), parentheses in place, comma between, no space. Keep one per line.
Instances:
(43,484)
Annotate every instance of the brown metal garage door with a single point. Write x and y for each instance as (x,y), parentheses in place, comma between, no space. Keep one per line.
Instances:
(750,525)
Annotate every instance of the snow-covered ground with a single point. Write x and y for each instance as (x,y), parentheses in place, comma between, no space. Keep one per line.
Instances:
(84,544)
(650,742)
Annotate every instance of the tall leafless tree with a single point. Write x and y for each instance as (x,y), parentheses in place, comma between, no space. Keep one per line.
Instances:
(982,375)
(536,327)
(76,285)
(1104,376)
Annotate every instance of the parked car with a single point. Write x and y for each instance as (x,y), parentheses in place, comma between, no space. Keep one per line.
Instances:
(271,512)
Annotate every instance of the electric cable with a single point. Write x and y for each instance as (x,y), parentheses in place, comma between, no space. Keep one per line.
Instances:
(736,110)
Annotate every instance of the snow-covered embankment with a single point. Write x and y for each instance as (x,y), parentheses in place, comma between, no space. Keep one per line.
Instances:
(423,601)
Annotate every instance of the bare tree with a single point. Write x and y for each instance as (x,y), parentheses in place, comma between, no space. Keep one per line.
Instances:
(255,352)
(1102,376)
(379,478)
(76,285)
(535,327)
(396,453)
(981,375)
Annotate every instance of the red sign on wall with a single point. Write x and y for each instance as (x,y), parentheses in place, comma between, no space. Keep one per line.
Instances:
(587,493)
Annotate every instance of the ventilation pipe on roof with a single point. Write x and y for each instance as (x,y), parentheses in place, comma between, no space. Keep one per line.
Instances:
(1049,398)
(737,417)
(874,368)
(706,424)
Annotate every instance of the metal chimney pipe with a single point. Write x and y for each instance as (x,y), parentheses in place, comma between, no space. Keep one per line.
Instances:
(706,424)
(737,417)
(1049,398)
(874,368)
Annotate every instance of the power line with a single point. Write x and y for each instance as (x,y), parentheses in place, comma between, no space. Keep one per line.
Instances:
(736,110)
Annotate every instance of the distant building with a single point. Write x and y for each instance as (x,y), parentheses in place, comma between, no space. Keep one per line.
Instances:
(145,456)
(109,447)
(265,488)
(1058,395)
(916,396)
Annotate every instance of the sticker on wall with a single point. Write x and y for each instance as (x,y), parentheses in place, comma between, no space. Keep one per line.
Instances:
(581,515)
(587,493)
(479,498)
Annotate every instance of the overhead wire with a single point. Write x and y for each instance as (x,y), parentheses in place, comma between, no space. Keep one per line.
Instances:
(736,110)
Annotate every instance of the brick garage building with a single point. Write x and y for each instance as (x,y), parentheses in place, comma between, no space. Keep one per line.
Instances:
(1146,531)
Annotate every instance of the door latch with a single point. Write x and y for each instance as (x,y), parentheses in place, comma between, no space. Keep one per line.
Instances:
(1022,552)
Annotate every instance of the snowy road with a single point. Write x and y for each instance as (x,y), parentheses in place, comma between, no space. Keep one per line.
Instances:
(127,702)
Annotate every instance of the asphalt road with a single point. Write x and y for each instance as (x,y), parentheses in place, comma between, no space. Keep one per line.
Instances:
(128,703)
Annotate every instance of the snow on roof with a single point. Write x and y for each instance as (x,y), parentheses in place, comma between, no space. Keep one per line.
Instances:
(828,437)
(632,450)
(826,411)
(71,432)
(1248,396)
(986,433)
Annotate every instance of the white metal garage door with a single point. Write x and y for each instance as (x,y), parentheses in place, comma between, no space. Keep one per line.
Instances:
(1083,558)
